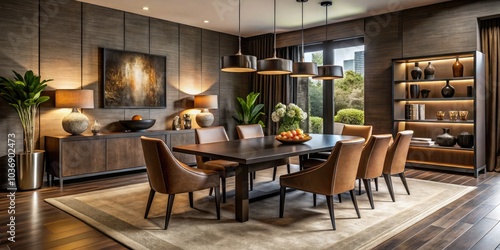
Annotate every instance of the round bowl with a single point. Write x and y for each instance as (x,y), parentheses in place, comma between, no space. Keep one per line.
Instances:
(286,141)
(137,125)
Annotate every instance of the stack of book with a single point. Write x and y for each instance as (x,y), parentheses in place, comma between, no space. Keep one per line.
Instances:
(415,111)
(421,141)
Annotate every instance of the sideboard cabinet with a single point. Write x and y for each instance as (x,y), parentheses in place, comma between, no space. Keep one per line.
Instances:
(73,156)
(417,112)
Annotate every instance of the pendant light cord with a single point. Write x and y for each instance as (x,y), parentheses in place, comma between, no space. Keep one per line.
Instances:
(302,55)
(274,46)
(326,22)
(239,28)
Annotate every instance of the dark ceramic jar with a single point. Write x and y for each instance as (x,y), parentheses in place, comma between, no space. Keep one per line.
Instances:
(465,140)
(446,139)
(448,91)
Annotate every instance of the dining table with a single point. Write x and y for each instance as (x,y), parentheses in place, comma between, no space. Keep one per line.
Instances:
(252,153)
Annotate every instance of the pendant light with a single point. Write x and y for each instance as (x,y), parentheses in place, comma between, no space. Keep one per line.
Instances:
(274,65)
(304,69)
(328,72)
(238,63)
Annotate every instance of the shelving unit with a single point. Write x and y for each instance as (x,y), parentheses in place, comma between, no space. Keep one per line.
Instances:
(469,160)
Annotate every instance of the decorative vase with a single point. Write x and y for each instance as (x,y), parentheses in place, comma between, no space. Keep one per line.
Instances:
(446,139)
(448,91)
(414,91)
(416,73)
(288,126)
(29,170)
(424,93)
(458,69)
(465,140)
(95,128)
(187,121)
(429,72)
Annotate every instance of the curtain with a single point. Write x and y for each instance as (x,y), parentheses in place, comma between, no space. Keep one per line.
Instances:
(490,46)
(272,88)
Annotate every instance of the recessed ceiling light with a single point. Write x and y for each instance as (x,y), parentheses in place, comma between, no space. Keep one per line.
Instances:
(206,21)
(145,8)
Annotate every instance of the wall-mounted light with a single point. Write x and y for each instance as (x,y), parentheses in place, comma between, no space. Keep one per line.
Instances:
(205,102)
(75,122)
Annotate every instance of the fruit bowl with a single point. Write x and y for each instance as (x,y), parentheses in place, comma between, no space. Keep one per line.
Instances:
(293,141)
(137,125)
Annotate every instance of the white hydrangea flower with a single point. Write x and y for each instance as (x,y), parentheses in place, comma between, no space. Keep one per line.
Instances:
(275,117)
(280,112)
(290,113)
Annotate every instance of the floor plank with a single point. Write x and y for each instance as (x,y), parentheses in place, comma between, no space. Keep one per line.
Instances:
(471,221)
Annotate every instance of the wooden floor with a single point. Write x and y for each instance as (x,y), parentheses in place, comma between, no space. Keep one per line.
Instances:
(471,222)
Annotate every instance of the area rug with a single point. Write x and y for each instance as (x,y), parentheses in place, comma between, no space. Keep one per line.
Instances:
(119,213)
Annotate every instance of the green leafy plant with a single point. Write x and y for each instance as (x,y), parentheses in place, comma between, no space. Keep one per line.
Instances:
(350,116)
(249,112)
(24,94)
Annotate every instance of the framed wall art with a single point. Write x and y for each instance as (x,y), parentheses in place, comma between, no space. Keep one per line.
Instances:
(133,79)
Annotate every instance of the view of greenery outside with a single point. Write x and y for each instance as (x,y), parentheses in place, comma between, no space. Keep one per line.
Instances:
(348,94)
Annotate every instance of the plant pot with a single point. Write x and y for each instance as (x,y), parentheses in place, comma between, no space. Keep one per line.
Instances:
(29,170)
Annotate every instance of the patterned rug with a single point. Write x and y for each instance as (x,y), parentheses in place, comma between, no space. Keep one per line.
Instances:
(119,212)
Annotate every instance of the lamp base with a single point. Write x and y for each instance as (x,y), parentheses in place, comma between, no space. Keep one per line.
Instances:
(75,122)
(205,119)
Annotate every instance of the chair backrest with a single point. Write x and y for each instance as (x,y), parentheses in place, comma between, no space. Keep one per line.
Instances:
(249,131)
(346,166)
(164,170)
(395,160)
(364,131)
(372,159)
(209,135)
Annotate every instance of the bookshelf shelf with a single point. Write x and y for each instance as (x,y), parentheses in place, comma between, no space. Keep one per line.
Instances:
(419,114)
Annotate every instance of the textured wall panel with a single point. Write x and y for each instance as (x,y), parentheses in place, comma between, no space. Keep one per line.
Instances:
(210,61)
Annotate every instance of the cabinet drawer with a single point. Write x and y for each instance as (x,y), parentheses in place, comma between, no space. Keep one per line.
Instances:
(83,157)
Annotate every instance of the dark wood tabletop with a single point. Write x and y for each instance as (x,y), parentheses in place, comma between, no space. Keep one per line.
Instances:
(250,152)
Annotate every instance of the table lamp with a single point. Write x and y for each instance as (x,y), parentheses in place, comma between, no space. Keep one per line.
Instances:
(205,102)
(75,122)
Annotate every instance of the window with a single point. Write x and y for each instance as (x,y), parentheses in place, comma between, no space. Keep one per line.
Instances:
(347,92)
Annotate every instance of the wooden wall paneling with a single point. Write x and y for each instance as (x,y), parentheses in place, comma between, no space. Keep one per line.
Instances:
(60,59)
(164,40)
(101,28)
(210,67)
(19,25)
(232,85)
(335,31)
(190,61)
(444,28)
(19,52)
(137,37)
(382,44)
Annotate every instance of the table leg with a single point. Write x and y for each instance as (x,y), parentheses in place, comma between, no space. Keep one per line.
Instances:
(241,189)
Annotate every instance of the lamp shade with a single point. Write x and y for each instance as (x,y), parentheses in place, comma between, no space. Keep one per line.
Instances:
(238,63)
(274,66)
(329,72)
(205,101)
(75,98)
(304,69)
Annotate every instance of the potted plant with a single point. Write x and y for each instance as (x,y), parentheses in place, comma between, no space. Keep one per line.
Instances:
(24,95)
(249,112)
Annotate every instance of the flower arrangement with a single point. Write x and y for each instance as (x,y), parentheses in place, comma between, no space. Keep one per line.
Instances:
(288,116)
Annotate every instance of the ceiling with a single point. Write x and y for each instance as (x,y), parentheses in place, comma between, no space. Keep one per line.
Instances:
(257,15)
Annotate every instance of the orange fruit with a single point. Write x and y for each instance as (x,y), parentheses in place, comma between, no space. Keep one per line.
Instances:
(136,117)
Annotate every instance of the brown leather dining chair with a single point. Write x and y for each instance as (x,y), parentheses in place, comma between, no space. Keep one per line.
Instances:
(169,176)
(334,176)
(395,160)
(364,131)
(225,168)
(254,131)
(371,163)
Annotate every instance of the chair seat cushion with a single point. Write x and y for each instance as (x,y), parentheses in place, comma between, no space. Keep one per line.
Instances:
(225,168)
(312,162)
